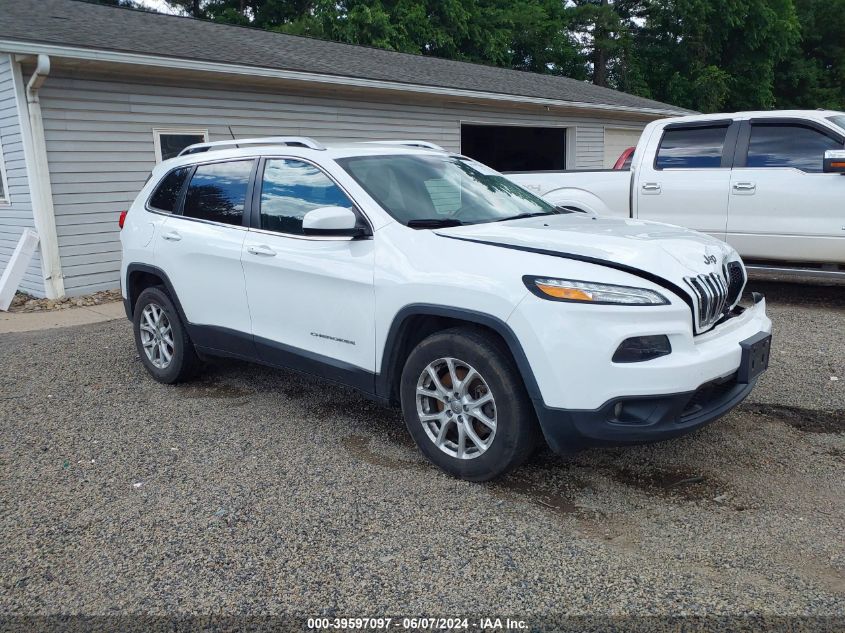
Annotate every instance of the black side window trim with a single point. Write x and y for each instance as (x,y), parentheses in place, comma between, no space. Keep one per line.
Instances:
(744,141)
(728,147)
(245,217)
(255,198)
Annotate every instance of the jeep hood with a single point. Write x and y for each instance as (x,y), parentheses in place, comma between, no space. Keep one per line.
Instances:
(664,250)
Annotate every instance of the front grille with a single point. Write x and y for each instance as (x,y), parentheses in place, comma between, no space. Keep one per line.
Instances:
(736,280)
(711,298)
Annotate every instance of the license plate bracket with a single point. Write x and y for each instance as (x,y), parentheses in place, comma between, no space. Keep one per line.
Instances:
(755,357)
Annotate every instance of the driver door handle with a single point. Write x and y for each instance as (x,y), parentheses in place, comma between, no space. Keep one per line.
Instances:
(263,251)
(651,187)
(744,186)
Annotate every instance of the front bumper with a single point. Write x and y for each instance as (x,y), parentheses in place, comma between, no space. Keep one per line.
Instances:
(587,400)
(640,420)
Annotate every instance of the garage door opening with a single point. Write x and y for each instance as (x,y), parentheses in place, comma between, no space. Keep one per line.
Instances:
(515,148)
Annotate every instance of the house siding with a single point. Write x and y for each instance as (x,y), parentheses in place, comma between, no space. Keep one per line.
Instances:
(99,134)
(17,214)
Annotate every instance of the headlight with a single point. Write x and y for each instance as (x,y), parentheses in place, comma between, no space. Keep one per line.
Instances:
(590,292)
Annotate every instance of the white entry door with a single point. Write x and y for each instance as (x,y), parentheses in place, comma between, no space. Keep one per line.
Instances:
(616,141)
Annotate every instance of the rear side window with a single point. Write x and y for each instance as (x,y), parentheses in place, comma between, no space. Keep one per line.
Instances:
(788,146)
(166,195)
(691,148)
(217,192)
(292,188)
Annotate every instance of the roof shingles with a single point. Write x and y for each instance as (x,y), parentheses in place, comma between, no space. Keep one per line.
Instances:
(85,25)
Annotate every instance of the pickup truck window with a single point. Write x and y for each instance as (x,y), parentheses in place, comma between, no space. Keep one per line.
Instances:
(427,191)
(691,148)
(838,120)
(784,145)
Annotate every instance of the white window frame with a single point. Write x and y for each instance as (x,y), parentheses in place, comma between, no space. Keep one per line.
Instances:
(157,133)
(5,197)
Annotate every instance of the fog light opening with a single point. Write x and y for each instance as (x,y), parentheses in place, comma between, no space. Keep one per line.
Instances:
(642,348)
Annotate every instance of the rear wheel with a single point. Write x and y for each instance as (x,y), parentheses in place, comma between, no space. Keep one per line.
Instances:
(163,343)
(465,405)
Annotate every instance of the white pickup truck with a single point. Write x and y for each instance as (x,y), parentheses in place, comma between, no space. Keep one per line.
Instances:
(771,184)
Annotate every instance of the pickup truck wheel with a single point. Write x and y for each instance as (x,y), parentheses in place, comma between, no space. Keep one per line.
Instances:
(465,405)
(161,338)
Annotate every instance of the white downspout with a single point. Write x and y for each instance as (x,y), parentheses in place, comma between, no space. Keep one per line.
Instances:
(41,190)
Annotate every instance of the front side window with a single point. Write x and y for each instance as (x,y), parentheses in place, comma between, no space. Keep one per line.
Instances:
(168,143)
(784,145)
(166,196)
(217,192)
(691,148)
(428,190)
(292,188)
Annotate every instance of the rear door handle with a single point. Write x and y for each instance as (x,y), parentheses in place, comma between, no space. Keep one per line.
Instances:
(171,236)
(264,251)
(652,187)
(744,186)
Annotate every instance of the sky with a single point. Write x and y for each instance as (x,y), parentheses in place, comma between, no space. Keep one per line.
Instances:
(158,5)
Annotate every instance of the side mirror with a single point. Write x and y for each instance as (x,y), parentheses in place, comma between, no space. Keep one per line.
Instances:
(834,161)
(332,221)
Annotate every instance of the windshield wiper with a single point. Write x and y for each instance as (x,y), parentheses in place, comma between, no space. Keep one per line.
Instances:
(522,216)
(433,223)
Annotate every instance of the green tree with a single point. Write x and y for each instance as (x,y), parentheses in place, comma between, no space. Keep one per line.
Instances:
(713,55)
(813,74)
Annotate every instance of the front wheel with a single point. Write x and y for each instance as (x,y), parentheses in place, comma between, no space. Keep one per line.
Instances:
(465,405)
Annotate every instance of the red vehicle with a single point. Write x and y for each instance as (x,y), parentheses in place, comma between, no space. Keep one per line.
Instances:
(624,160)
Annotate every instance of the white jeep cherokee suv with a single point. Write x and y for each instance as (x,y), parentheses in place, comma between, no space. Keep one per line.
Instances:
(425,279)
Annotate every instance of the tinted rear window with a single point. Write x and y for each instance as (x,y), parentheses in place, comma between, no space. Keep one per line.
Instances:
(217,192)
(166,195)
(691,148)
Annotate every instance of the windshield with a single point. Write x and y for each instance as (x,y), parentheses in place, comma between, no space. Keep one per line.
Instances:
(438,190)
(838,120)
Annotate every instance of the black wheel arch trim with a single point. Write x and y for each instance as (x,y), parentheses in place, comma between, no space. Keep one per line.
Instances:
(129,300)
(385,380)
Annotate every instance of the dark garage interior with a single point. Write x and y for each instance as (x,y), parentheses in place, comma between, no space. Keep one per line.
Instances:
(515,148)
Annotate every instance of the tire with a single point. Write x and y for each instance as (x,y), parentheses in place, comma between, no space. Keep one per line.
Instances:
(515,434)
(183,362)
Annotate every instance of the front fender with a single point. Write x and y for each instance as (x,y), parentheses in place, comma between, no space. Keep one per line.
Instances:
(578,199)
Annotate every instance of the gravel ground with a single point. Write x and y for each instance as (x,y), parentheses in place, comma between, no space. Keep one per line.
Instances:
(255,491)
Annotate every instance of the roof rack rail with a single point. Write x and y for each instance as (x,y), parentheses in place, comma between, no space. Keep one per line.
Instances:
(409,143)
(295,141)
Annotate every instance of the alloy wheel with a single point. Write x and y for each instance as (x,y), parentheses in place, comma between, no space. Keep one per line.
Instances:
(156,335)
(456,408)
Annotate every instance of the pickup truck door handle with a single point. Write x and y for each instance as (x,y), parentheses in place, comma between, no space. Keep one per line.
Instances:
(171,236)
(264,251)
(744,186)
(653,187)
